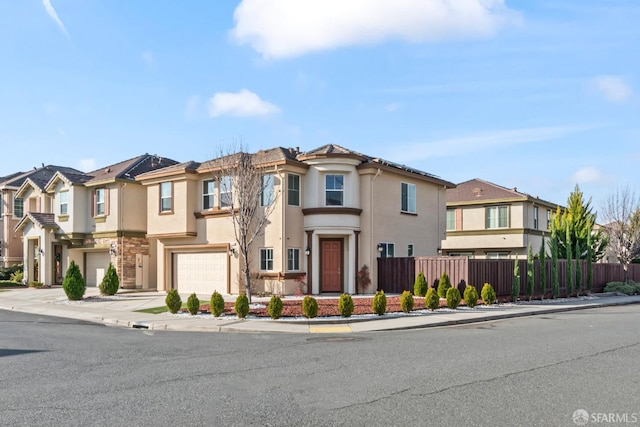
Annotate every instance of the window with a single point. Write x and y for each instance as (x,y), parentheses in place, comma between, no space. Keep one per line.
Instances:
(451,219)
(266,198)
(293,259)
(100,202)
(497,216)
(408,197)
(18,207)
(410,249)
(467,254)
(64,203)
(166,197)
(293,189)
(497,255)
(535,217)
(208,191)
(266,259)
(226,192)
(388,250)
(548,219)
(334,190)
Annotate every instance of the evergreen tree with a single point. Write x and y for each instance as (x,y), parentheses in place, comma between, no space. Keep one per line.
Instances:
(569,263)
(555,285)
(589,264)
(543,269)
(578,269)
(530,273)
(515,285)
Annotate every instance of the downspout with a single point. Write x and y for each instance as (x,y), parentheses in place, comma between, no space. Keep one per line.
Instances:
(371,245)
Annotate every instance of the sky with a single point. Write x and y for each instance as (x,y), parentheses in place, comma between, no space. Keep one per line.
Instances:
(537,95)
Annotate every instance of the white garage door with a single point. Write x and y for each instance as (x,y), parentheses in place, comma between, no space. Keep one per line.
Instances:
(201,273)
(96,267)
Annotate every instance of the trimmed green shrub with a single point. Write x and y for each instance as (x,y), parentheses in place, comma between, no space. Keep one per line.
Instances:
(453,298)
(9,283)
(443,285)
(406,301)
(275,307)
(488,294)
(309,307)
(420,286)
(35,284)
(629,288)
(73,283)
(17,276)
(8,273)
(379,304)
(431,299)
(110,282)
(193,304)
(470,296)
(173,301)
(345,305)
(515,285)
(242,306)
(216,305)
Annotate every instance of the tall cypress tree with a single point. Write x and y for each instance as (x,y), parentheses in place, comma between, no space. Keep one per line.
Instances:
(543,269)
(530,273)
(569,263)
(589,265)
(515,285)
(555,285)
(578,269)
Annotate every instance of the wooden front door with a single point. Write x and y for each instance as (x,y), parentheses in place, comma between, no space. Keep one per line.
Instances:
(331,265)
(57,264)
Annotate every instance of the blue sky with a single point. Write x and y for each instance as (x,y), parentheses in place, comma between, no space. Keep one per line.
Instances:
(538,95)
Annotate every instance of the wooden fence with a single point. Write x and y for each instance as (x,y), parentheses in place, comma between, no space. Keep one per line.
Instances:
(398,274)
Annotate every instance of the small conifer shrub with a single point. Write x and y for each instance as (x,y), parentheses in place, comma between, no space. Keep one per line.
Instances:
(345,305)
(275,307)
(420,286)
(110,282)
(431,299)
(470,296)
(406,301)
(379,304)
(453,298)
(488,294)
(173,301)
(216,305)
(443,285)
(309,307)
(193,304)
(73,284)
(242,306)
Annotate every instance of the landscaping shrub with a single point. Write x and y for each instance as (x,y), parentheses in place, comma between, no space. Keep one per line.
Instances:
(173,301)
(7,273)
(453,298)
(629,288)
(345,305)
(309,307)
(73,283)
(17,276)
(242,306)
(431,299)
(193,304)
(406,301)
(488,294)
(515,285)
(420,286)
(379,304)
(35,284)
(443,285)
(275,307)
(470,296)
(363,280)
(9,283)
(110,282)
(216,305)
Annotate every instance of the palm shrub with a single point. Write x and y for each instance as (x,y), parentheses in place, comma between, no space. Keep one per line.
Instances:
(453,298)
(17,276)
(379,304)
(443,285)
(193,304)
(275,307)
(470,296)
(420,286)
(345,305)
(110,282)
(173,301)
(216,305)
(242,306)
(406,301)
(431,299)
(309,307)
(488,294)
(73,283)
(515,284)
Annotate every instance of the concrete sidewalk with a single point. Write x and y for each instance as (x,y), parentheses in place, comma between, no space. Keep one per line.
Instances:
(121,309)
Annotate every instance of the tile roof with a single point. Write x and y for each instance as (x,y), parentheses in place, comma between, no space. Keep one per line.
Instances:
(480,190)
(43,220)
(41,176)
(129,169)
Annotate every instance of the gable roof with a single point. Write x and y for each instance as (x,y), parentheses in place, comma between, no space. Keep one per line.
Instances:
(39,177)
(43,220)
(129,169)
(480,191)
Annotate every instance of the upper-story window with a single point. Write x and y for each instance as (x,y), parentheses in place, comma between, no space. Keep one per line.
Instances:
(334,190)
(100,206)
(18,207)
(408,203)
(208,192)
(451,219)
(166,197)
(226,192)
(64,203)
(535,217)
(266,198)
(497,216)
(548,219)
(293,189)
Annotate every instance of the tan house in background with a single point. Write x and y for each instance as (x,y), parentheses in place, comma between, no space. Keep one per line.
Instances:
(485,220)
(335,211)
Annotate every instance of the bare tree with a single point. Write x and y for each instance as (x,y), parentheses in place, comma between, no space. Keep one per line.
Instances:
(247,189)
(621,218)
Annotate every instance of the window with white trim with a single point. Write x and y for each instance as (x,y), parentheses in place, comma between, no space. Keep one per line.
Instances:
(208,194)
(408,203)
(334,190)
(64,202)
(166,197)
(100,208)
(388,250)
(410,250)
(293,259)
(535,217)
(226,192)
(18,207)
(497,216)
(451,219)
(266,198)
(497,255)
(548,219)
(266,259)
(293,189)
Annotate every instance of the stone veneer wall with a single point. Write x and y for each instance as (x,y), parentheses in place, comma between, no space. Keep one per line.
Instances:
(125,260)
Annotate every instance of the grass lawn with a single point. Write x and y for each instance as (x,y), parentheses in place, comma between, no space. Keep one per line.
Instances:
(158,310)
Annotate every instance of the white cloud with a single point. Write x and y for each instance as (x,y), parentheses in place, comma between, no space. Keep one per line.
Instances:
(87,165)
(587,175)
(242,104)
(192,109)
(148,58)
(287,28)
(54,15)
(613,88)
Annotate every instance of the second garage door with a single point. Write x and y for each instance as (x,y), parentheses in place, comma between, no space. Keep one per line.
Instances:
(202,272)
(96,267)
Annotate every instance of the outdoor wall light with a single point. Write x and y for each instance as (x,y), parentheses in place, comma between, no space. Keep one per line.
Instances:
(112,250)
(380,248)
(307,251)
(232,249)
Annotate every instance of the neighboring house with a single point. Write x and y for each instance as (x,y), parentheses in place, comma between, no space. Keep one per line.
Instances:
(93,218)
(485,220)
(335,211)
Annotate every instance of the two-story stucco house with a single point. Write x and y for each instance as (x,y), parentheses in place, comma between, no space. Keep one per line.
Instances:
(91,218)
(335,211)
(485,220)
